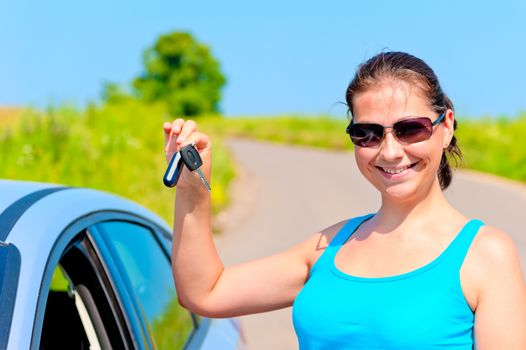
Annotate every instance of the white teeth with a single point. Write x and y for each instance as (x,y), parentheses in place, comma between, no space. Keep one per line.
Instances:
(395,171)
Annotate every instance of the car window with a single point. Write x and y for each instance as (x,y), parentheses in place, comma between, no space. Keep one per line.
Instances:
(66,323)
(145,265)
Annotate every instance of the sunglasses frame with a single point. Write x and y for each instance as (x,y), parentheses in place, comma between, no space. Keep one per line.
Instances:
(433,123)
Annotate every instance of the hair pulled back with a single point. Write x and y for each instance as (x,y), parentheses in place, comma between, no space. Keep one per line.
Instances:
(401,66)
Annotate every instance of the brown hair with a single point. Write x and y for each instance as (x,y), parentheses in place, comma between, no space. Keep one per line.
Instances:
(405,67)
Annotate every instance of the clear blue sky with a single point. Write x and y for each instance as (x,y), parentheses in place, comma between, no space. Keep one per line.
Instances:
(279,56)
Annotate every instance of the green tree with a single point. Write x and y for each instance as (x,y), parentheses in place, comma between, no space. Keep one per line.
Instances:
(114,93)
(182,73)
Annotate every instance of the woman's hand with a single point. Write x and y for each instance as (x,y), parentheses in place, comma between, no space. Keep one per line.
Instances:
(180,133)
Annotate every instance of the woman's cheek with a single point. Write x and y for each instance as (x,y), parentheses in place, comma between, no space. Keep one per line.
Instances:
(364,159)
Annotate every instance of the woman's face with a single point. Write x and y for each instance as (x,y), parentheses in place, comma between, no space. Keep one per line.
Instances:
(400,172)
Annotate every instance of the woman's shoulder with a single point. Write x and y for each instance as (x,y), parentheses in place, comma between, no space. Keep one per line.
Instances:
(495,279)
(494,245)
(493,254)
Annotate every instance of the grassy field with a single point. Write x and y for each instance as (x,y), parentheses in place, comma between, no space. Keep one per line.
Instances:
(494,146)
(116,148)
(119,148)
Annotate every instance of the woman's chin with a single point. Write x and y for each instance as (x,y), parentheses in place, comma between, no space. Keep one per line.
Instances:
(399,192)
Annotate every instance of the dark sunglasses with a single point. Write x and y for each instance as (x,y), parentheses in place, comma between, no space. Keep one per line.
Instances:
(406,131)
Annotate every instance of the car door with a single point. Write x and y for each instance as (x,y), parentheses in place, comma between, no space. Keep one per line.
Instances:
(112,288)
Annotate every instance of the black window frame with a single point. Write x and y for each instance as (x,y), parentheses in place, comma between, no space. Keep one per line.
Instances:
(83,272)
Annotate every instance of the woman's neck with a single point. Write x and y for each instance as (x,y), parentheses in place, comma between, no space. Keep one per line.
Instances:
(429,205)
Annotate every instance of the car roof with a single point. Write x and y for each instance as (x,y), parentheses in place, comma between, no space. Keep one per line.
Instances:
(12,190)
(37,201)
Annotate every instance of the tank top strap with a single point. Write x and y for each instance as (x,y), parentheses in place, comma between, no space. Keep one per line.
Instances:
(339,239)
(346,231)
(458,249)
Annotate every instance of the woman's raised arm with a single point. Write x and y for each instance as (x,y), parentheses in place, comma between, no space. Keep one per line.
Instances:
(203,284)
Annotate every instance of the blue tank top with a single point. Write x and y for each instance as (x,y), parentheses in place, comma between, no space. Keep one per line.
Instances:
(421,309)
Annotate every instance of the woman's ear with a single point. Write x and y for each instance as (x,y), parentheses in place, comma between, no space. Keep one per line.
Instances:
(449,127)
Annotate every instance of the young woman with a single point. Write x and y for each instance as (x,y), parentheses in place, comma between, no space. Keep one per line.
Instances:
(417,274)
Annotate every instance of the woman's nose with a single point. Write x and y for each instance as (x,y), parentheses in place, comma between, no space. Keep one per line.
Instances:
(391,149)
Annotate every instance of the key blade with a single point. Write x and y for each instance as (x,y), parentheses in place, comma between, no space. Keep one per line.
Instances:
(202,176)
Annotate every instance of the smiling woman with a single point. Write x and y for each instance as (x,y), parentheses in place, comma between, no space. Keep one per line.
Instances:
(417,274)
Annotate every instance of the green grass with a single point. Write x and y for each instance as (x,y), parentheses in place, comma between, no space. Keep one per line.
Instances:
(495,146)
(319,132)
(119,147)
(115,148)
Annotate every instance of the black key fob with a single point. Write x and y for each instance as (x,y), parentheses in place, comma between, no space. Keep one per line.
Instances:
(191,157)
(171,176)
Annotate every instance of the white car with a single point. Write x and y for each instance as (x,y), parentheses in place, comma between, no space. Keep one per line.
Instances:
(84,269)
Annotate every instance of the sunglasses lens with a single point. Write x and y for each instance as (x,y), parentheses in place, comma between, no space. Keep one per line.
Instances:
(413,130)
(366,135)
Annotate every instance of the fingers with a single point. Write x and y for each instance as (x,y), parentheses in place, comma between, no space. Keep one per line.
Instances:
(179,133)
(171,131)
(200,140)
(187,129)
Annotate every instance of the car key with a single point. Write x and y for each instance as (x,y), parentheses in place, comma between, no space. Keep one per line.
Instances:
(193,161)
(171,176)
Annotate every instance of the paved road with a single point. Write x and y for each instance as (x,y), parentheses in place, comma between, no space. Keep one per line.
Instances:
(285,194)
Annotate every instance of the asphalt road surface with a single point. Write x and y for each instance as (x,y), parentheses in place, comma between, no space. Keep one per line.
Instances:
(285,194)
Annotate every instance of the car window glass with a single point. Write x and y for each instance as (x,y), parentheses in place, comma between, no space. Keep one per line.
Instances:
(149,273)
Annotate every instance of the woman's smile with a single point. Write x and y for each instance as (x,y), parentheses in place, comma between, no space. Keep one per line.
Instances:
(398,172)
